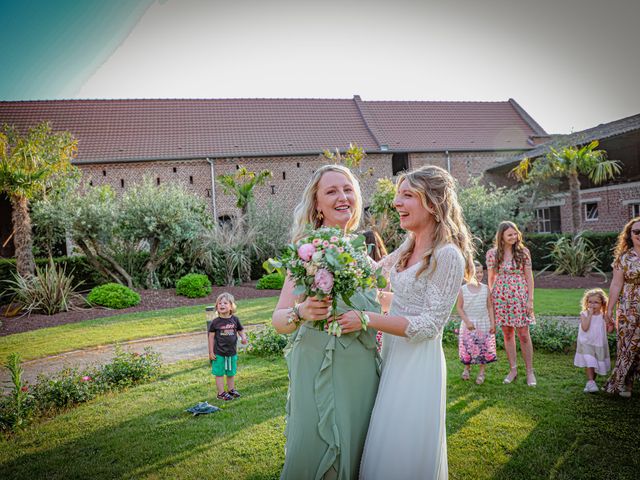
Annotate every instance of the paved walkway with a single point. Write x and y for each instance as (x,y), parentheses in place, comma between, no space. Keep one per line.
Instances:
(172,348)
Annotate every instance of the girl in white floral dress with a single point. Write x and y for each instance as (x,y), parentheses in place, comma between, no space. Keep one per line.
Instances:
(476,340)
(407,432)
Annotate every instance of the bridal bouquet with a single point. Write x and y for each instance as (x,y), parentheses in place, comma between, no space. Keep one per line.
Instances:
(326,263)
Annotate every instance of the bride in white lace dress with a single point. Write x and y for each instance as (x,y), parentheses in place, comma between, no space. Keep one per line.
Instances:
(407,432)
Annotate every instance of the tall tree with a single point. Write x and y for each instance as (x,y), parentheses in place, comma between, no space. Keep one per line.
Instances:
(570,163)
(161,218)
(28,163)
(241,184)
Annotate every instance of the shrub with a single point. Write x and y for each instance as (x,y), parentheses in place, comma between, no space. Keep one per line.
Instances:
(66,388)
(50,291)
(603,244)
(77,267)
(113,295)
(273,281)
(553,336)
(574,256)
(266,342)
(547,334)
(193,285)
(539,245)
(16,408)
(485,206)
(129,368)
(72,386)
(272,226)
(383,217)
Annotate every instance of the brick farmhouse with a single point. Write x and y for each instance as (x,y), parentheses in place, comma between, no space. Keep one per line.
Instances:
(191,142)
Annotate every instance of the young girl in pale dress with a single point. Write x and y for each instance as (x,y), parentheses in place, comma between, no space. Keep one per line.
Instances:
(592,348)
(477,340)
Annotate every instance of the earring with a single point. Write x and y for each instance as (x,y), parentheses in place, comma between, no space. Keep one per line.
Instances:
(436,217)
(320,215)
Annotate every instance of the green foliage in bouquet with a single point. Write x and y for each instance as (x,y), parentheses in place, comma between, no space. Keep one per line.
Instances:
(326,263)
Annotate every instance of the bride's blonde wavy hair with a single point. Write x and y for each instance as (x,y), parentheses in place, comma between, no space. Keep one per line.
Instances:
(437,191)
(305,212)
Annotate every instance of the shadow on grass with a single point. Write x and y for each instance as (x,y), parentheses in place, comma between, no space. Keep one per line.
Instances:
(587,437)
(153,442)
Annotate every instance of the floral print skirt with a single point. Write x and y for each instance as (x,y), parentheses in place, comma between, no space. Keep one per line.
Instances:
(476,347)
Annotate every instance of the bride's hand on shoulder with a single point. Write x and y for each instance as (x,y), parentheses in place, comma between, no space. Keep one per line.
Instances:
(315,309)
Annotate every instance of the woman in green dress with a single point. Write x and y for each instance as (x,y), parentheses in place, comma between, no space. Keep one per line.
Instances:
(332,380)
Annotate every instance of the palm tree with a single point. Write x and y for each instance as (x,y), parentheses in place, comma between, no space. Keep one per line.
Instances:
(28,163)
(241,185)
(570,162)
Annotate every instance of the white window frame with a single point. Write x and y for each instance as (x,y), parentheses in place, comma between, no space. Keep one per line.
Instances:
(543,220)
(591,218)
(635,210)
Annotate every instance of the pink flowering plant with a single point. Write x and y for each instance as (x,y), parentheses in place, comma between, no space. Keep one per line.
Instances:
(328,263)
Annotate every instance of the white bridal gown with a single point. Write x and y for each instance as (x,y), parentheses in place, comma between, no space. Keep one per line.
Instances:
(407,434)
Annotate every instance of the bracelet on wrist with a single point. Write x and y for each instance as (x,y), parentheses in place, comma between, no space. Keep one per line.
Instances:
(294,315)
(364,319)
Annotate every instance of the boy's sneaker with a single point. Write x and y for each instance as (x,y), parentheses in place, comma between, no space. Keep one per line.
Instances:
(234,393)
(591,387)
(224,396)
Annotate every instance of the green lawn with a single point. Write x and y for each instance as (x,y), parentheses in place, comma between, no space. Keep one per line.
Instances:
(495,431)
(120,328)
(557,301)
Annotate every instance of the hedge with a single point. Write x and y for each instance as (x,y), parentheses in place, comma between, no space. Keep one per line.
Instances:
(76,266)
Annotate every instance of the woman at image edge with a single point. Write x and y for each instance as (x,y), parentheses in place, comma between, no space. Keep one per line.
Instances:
(407,433)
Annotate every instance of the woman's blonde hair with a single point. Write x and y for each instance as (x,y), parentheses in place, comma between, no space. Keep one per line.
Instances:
(437,191)
(229,298)
(624,242)
(305,212)
(518,250)
(594,292)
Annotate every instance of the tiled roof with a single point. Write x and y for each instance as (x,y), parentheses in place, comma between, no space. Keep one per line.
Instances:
(448,125)
(129,130)
(600,132)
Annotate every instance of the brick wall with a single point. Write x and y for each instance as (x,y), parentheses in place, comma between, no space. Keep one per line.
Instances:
(614,202)
(283,191)
(465,165)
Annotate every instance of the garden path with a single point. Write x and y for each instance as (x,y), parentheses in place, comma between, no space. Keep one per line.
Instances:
(172,348)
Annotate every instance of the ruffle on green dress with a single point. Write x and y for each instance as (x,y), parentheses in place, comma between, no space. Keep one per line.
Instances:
(332,388)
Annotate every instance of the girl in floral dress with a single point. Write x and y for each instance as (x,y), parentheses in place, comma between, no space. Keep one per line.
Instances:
(477,340)
(625,291)
(511,285)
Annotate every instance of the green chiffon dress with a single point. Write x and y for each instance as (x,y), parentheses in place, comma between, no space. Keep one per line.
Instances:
(332,388)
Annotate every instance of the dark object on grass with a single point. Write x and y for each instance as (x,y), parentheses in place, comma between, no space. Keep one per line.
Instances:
(202,408)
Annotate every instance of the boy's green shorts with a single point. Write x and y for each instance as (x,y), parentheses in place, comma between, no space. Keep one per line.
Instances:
(222,366)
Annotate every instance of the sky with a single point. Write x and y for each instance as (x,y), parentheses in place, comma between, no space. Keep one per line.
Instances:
(571,64)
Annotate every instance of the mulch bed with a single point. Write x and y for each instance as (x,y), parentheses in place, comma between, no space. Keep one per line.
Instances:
(159,299)
(550,280)
(149,300)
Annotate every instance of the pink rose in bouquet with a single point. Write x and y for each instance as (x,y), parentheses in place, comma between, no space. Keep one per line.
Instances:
(324,280)
(306,251)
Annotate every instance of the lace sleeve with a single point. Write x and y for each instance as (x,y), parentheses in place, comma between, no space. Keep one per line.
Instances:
(439,296)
